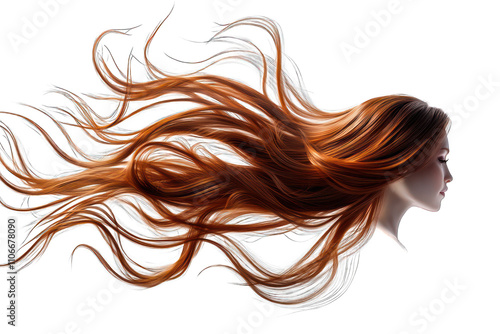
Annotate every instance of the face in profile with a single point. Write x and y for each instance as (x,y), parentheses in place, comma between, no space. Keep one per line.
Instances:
(426,187)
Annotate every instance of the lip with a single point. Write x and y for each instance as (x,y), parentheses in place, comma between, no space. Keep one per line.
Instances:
(442,193)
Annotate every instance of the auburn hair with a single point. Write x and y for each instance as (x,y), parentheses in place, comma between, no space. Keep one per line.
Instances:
(302,169)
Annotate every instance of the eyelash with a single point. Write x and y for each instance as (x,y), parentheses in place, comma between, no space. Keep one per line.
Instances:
(443,161)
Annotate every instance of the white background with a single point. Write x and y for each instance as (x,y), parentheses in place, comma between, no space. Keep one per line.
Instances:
(444,52)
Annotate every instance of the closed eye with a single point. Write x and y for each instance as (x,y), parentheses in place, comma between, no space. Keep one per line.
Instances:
(443,161)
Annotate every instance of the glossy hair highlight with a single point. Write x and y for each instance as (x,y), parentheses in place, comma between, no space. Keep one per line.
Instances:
(303,170)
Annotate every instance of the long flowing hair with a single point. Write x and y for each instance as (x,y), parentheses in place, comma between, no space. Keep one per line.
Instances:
(300,169)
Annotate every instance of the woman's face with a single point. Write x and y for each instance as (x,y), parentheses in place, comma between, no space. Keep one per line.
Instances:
(424,188)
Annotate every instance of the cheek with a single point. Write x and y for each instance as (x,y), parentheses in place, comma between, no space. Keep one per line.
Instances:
(426,182)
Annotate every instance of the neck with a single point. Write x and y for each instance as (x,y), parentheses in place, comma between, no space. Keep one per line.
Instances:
(392,209)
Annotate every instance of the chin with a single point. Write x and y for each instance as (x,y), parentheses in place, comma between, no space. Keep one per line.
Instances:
(431,208)
(437,208)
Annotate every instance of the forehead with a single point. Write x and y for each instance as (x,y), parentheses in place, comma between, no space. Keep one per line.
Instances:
(444,144)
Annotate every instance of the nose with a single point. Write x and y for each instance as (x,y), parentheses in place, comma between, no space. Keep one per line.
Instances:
(448,177)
